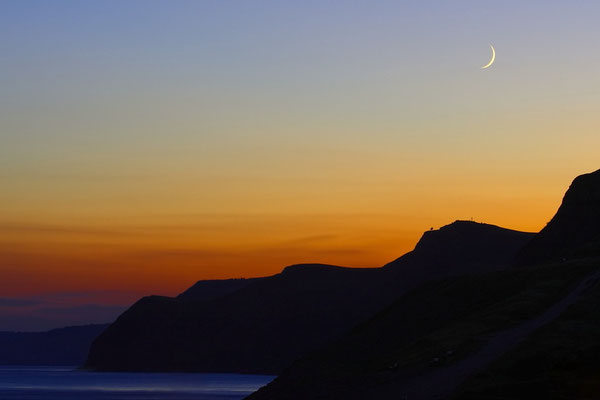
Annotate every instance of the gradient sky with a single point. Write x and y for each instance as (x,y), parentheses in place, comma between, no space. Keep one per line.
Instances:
(149,144)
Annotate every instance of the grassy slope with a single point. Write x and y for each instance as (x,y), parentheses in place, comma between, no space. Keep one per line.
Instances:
(559,361)
(453,315)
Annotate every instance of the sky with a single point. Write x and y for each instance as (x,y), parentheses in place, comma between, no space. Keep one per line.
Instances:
(145,145)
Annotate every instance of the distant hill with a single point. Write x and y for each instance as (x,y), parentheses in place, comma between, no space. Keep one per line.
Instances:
(262,325)
(63,346)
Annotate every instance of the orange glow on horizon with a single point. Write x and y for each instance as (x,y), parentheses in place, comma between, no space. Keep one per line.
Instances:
(165,255)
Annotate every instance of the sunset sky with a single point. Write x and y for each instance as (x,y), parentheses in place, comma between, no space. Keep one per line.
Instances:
(149,144)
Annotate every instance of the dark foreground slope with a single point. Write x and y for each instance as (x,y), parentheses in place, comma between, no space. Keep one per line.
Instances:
(265,324)
(64,346)
(559,361)
(435,325)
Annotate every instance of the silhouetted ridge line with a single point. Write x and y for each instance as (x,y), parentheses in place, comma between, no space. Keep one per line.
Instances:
(312,267)
(261,325)
(460,247)
(212,289)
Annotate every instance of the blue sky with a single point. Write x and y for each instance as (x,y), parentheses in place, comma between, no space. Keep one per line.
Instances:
(229,130)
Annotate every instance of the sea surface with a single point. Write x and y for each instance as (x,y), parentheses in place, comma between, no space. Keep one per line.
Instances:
(66,383)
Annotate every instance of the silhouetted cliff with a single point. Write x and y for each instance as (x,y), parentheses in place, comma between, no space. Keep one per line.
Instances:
(265,324)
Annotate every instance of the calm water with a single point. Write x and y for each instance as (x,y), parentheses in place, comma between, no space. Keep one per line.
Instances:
(64,383)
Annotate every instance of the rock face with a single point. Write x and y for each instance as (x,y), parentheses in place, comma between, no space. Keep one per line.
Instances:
(575,229)
(262,325)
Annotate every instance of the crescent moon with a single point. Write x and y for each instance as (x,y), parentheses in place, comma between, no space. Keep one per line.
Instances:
(492,60)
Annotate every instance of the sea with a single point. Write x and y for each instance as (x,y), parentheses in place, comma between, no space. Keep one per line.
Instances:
(66,383)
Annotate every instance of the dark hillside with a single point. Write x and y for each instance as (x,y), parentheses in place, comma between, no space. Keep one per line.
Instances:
(262,325)
(444,321)
(559,361)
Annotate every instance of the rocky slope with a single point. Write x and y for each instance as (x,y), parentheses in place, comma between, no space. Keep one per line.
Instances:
(575,229)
